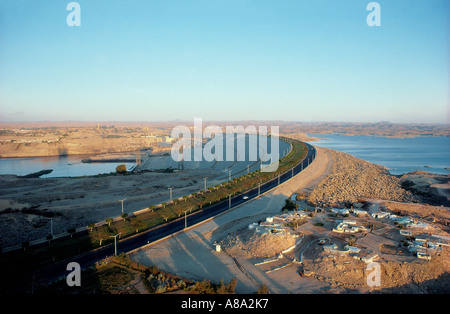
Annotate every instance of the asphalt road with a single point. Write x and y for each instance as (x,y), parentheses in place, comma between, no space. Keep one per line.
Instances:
(88,259)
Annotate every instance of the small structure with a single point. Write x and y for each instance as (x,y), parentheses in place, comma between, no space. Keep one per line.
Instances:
(359,212)
(400,220)
(418,224)
(380,215)
(340,211)
(252,226)
(405,232)
(352,249)
(332,248)
(422,255)
(346,227)
(369,257)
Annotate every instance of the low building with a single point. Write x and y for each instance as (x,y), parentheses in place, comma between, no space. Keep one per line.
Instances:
(400,219)
(368,257)
(418,224)
(405,232)
(332,248)
(422,255)
(359,212)
(380,215)
(347,228)
(352,249)
(340,211)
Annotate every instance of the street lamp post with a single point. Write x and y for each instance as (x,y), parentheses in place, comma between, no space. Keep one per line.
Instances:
(205,183)
(229,175)
(115,243)
(122,203)
(185,218)
(170,189)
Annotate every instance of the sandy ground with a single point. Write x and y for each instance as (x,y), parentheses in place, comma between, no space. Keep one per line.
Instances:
(191,253)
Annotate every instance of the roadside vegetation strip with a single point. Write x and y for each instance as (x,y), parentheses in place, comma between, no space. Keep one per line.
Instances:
(100,235)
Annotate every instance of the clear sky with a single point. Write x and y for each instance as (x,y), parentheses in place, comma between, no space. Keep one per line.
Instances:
(154,60)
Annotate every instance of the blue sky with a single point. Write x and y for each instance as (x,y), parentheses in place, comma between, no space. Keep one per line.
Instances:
(153,60)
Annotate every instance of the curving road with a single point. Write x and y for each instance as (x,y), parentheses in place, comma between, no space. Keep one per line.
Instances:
(130,243)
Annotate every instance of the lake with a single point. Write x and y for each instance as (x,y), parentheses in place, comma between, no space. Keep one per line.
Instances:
(67,166)
(71,166)
(399,155)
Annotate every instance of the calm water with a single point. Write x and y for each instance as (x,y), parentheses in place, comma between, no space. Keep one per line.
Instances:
(70,166)
(399,155)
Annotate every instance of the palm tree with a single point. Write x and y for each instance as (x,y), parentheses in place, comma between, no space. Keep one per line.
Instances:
(91,226)
(109,221)
(137,224)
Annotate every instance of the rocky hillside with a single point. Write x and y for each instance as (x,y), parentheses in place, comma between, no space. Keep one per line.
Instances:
(352,178)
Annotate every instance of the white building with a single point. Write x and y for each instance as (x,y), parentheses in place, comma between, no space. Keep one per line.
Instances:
(341,211)
(352,249)
(380,215)
(359,212)
(422,255)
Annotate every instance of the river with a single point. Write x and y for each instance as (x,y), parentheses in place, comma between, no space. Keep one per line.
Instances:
(399,155)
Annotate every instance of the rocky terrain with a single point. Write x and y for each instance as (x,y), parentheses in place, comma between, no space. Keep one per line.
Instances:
(257,244)
(383,128)
(346,275)
(352,179)
(432,189)
(65,141)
